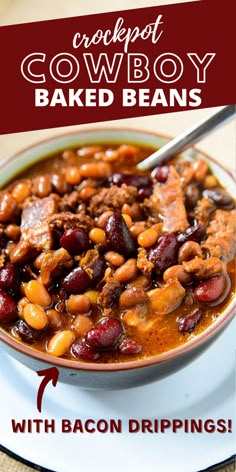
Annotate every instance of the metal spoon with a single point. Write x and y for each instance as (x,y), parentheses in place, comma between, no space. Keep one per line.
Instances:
(189,137)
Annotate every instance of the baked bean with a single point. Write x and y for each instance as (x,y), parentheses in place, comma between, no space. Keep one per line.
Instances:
(131,297)
(37,293)
(59,183)
(189,250)
(114,258)
(110,155)
(140,281)
(98,170)
(134,210)
(39,259)
(178,272)
(70,156)
(97,236)
(60,343)
(78,304)
(35,316)
(200,168)
(21,305)
(73,175)
(210,181)
(42,186)
(101,221)
(128,220)
(21,191)
(92,295)
(147,238)
(87,193)
(137,228)
(20,252)
(13,232)
(8,206)
(82,324)
(54,319)
(127,271)
(88,151)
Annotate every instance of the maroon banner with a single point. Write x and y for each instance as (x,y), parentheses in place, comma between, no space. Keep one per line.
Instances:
(116,65)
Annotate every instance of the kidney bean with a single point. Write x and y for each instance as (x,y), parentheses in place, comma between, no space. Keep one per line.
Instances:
(165,253)
(160,174)
(8,307)
(144,192)
(128,346)
(118,236)
(26,333)
(8,277)
(136,180)
(105,334)
(188,322)
(75,241)
(84,352)
(220,197)
(192,195)
(97,267)
(131,297)
(77,281)
(212,290)
(192,233)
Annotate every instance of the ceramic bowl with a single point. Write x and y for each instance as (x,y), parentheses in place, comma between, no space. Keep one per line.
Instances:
(126,374)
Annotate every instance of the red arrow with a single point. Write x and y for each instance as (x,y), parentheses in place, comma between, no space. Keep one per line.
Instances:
(50,374)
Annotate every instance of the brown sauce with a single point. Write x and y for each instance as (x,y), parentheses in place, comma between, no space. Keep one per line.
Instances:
(181,212)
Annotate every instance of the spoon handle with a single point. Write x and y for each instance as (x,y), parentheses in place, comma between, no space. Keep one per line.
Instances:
(189,137)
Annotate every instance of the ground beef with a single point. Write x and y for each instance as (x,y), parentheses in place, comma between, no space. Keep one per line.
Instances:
(110,293)
(66,220)
(203,268)
(112,198)
(205,208)
(221,235)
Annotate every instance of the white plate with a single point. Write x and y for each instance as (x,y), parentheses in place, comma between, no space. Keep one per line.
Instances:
(203,390)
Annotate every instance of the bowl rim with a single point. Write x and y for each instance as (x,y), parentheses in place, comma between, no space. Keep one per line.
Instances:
(170,355)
